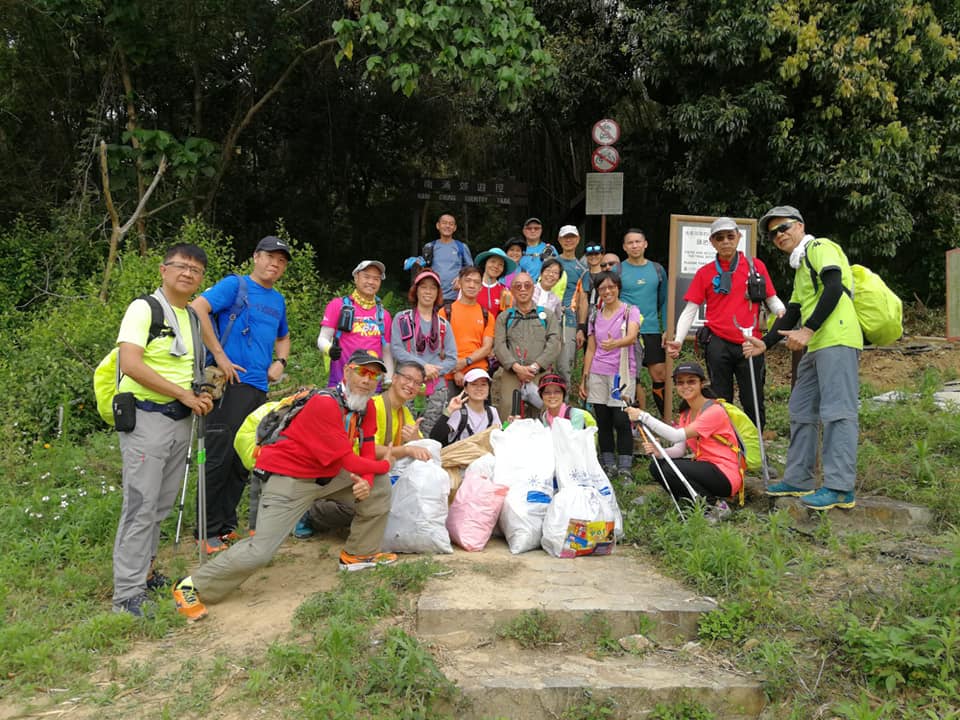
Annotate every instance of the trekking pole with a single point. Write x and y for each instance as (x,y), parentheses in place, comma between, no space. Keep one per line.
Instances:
(516,404)
(673,466)
(748,332)
(202,487)
(663,476)
(186,474)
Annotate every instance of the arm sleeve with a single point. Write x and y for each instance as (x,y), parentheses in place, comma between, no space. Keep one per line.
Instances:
(667,432)
(325,339)
(685,321)
(790,318)
(832,290)
(775,305)
(677,450)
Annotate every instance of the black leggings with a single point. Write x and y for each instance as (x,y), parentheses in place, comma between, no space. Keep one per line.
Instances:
(610,419)
(704,477)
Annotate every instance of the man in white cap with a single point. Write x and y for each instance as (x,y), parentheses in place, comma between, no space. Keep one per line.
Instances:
(733,287)
(357,321)
(573,268)
(827,387)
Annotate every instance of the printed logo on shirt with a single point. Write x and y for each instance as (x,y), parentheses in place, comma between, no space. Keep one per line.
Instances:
(366,327)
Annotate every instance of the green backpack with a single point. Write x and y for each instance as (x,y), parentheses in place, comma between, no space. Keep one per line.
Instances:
(879,310)
(747,434)
(106,378)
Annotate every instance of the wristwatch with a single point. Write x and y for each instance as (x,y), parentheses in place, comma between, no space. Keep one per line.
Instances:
(536,368)
(282,361)
(468,360)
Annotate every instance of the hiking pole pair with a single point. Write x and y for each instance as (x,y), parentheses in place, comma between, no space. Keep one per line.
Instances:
(747,333)
(186,474)
(673,466)
(646,436)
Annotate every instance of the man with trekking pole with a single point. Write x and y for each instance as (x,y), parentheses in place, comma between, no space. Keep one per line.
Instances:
(158,393)
(827,382)
(244,322)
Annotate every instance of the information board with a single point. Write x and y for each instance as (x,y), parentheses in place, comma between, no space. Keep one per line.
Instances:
(604,193)
(953,294)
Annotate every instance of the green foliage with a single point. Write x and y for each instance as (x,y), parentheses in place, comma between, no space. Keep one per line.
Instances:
(532,629)
(732,623)
(589,707)
(495,43)
(682,710)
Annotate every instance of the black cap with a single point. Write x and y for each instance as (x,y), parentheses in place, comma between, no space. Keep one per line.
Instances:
(532,221)
(519,242)
(366,357)
(689,368)
(271,243)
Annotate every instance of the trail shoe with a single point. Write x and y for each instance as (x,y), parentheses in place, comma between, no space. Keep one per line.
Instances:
(719,512)
(362,562)
(230,537)
(157,580)
(782,489)
(131,605)
(304,529)
(214,545)
(825,499)
(187,600)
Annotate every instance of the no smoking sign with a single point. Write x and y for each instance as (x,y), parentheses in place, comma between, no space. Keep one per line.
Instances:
(605,158)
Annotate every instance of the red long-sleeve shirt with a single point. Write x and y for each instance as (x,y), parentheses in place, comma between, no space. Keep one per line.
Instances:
(316,444)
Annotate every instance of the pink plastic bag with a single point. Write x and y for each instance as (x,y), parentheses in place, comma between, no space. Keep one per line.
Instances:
(476,507)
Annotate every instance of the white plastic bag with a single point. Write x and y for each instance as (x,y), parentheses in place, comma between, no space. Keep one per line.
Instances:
(476,507)
(418,510)
(578,522)
(524,453)
(577,464)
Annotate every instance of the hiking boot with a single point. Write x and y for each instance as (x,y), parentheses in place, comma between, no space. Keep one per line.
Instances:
(187,600)
(825,498)
(304,529)
(131,605)
(718,512)
(782,489)
(362,562)
(625,475)
(230,537)
(214,545)
(157,580)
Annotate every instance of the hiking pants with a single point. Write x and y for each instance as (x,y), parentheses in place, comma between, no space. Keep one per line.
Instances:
(154,454)
(704,477)
(225,474)
(826,394)
(725,361)
(283,502)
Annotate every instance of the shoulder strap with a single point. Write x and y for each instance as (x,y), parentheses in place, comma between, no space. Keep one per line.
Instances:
(388,412)
(462,252)
(199,351)
(157,326)
(380,323)
(464,418)
(239,303)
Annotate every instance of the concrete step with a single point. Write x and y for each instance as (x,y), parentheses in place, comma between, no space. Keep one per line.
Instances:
(482,591)
(501,681)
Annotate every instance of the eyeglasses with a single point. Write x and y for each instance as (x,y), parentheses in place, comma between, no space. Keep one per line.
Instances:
(367,372)
(183,267)
(593,249)
(522,285)
(406,379)
(689,380)
(608,264)
(781,228)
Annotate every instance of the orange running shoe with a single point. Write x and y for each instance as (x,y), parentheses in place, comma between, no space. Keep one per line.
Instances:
(231,536)
(211,546)
(187,600)
(350,562)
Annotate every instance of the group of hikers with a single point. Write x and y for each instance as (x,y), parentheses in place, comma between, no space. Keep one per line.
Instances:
(486,339)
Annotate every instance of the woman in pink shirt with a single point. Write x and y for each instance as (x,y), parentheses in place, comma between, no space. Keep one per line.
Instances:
(705,430)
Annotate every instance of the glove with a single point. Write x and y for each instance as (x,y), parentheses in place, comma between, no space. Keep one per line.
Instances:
(335,351)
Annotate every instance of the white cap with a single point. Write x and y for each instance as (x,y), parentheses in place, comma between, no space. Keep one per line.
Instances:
(367,263)
(723,223)
(475,374)
(568,230)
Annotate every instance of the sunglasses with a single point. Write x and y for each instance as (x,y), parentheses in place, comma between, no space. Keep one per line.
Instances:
(593,249)
(781,228)
(522,286)
(367,372)
(609,264)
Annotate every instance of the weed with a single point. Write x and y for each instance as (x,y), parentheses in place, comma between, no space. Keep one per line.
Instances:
(681,710)
(597,628)
(731,623)
(590,708)
(531,629)
(865,709)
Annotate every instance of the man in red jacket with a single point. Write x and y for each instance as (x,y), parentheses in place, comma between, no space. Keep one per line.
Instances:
(314,458)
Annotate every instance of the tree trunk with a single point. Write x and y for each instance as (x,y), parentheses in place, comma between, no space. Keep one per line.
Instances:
(131,126)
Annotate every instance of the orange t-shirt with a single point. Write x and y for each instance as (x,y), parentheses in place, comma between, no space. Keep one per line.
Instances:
(468,328)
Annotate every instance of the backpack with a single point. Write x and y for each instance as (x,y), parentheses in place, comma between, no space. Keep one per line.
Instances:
(748,440)
(106,376)
(512,316)
(879,310)
(588,419)
(462,253)
(271,428)
(405,323)
(240,302)
(464,418)
(348,303)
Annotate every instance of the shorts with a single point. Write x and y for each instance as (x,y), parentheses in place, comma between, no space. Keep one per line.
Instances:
(653,351)
(599,388)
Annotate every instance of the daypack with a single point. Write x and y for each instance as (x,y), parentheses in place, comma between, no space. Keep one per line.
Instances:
(462,253)
(106,377)
(274,423)
(239,303)
(512,316)
(748,440)
(348,303)
(588,419)
(879,310)
(464,418)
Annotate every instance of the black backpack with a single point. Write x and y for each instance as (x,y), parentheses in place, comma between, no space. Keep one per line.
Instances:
(275,422)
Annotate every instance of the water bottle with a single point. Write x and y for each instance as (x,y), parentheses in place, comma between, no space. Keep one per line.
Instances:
(420,402)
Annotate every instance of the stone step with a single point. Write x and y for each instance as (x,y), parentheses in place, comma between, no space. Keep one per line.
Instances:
(481,591)
(500,682)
